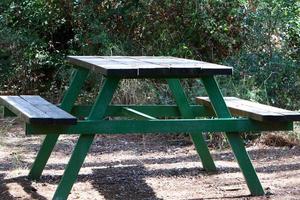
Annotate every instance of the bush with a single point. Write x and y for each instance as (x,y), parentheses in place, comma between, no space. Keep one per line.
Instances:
(259,38)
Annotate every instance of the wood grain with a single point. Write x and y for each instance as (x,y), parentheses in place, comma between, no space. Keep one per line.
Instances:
(34,109)
(148,66)
(253,110)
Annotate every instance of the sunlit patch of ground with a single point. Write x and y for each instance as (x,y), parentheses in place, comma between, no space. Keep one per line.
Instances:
(149,167)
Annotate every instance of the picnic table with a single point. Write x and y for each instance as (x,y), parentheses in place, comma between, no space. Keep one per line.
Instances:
(210,115)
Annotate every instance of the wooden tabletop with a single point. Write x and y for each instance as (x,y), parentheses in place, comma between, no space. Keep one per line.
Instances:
(148,66)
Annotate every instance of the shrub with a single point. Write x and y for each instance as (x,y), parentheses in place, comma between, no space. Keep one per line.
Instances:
(259,38)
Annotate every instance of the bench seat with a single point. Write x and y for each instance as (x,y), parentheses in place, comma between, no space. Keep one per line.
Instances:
(36,110)
(253,110)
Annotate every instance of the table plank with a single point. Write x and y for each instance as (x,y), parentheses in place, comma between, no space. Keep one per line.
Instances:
(34,109)
(24,109)
(56,114)
(148,66)
(255,110)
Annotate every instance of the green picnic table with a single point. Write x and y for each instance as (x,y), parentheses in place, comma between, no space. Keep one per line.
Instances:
(214,114)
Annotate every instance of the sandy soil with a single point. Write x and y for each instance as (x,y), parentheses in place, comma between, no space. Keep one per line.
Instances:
(143,167)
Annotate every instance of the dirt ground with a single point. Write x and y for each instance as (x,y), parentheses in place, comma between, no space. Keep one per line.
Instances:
(143,167)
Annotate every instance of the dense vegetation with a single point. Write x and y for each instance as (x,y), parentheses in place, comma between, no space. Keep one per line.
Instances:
(260,39)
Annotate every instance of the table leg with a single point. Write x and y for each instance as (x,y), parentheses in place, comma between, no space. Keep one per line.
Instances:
(186,112)
(234,139)
(84,142)
(68,101)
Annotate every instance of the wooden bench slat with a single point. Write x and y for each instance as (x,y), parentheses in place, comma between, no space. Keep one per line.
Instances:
(266,107)
(55,113)
(34,109)
(255,110)
(24,109)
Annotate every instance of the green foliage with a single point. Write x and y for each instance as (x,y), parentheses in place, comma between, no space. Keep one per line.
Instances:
(266,79)
(260,39)
(267,65)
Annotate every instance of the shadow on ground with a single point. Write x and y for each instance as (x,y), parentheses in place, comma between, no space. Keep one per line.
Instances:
(126,178)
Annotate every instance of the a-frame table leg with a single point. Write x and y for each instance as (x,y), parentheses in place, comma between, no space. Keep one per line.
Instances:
(234,139)
(186,112)
(84,142)
(50,140)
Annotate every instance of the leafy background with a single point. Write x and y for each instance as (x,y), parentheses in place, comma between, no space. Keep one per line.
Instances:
(260,39)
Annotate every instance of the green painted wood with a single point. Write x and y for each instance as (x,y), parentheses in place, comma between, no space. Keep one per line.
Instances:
(71,172)
(234,139)
(77,81)
(8,113)
(186,112)
(131,113)
(43,156)
(156,111)
(160,126)
(84,142)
